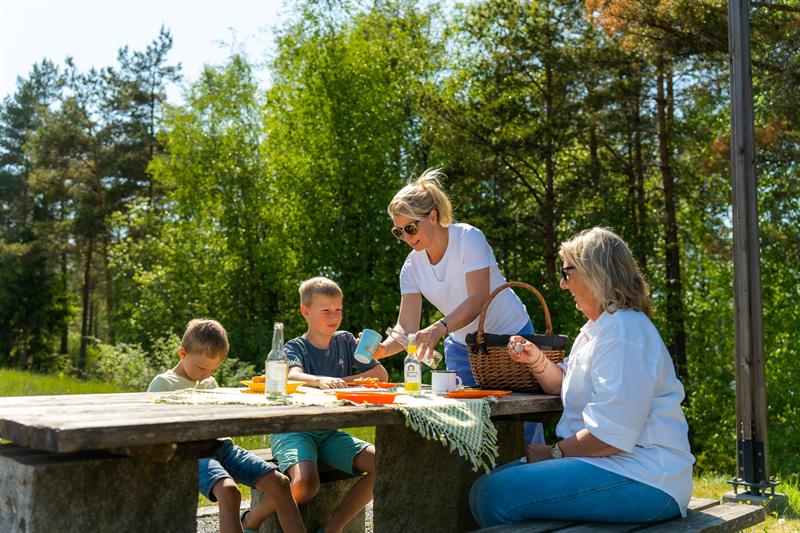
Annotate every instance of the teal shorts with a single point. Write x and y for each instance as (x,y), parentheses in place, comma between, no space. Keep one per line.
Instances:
(334,448)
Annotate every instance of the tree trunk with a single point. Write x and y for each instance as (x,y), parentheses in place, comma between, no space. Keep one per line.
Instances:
(594,160)
(675,314)
(95,321)
(548,213)
(87,279)
(64,347)
(92,315)
(151,190)
(639,177)
(110,302)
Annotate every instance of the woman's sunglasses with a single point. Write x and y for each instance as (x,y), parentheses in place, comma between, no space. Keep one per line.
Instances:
(409,229)
(565,272)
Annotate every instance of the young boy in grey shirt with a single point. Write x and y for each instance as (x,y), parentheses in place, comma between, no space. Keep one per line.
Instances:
(203,349)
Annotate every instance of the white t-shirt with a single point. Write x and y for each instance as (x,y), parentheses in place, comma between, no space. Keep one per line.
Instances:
(619,383)
(445,284)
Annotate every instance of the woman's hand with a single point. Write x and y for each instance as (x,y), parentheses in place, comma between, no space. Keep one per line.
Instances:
(538,452)
(530,354)
(428,338)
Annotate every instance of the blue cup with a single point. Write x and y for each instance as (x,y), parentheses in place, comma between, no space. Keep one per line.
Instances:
(366,345)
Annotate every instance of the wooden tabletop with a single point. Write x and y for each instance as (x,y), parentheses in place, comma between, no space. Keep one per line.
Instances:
(71,423)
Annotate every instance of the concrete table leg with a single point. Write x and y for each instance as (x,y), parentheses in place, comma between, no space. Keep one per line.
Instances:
(422,487)
(45,492)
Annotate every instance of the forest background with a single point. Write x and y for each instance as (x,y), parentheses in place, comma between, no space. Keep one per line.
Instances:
(123,216)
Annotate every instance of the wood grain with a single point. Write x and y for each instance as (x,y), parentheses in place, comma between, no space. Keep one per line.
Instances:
(102,421)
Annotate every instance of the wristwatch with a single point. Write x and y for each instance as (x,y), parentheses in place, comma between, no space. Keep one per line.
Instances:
(555,452)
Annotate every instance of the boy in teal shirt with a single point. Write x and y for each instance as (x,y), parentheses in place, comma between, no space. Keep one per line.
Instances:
(323,358)
(203,349)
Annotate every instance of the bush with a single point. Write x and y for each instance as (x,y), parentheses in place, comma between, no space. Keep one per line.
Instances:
(129,367)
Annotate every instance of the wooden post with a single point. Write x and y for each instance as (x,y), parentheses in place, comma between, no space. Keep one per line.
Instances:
(751,408)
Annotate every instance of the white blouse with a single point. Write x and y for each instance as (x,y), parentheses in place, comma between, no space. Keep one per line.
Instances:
(620,384)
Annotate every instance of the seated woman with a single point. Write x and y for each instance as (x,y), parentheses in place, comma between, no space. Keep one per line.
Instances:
(624,449)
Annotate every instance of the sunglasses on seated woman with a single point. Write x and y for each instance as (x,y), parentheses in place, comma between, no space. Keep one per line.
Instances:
(409,229)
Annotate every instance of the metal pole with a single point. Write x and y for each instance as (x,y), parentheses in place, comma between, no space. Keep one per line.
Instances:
(751,409)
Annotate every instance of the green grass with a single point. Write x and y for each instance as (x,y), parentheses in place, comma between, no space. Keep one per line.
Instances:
(21,383)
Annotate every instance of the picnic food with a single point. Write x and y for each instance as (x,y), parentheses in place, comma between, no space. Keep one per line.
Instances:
(371,383)
(367,381)
(259,379)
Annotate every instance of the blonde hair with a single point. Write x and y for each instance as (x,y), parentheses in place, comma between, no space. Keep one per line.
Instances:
(206,337)
(421,196)
(611,271)
(319,286)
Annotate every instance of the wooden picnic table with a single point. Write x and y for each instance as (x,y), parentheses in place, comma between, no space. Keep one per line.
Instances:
(420,485)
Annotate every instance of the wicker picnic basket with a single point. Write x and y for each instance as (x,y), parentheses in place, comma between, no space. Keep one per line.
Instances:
(491,365)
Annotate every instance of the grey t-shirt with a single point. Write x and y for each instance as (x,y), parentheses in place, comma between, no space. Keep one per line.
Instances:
(172,381)
(336,362)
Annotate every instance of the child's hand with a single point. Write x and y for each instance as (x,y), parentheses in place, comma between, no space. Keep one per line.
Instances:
(325,382)
(380,352)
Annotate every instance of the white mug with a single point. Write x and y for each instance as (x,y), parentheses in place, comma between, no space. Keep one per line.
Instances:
(445,381)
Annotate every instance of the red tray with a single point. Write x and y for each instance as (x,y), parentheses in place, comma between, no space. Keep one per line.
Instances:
(365,396)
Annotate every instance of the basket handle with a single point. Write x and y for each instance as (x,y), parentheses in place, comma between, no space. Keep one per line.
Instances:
(548,324)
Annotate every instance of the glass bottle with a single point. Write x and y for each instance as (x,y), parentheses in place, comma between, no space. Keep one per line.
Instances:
(277,367)
(432,361)
(412,372)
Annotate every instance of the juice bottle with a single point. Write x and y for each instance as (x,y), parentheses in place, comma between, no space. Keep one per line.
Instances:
(412,373)
(277,367)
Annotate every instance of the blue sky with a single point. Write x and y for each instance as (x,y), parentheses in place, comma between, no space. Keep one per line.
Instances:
(204,32)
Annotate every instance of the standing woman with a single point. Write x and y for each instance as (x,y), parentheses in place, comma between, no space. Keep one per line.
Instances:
(453,267)
(623,453)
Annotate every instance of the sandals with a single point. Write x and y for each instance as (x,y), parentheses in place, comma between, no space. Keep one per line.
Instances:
(247,529)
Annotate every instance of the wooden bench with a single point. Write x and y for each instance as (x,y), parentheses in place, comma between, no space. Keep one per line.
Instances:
(333,486)
(703,515)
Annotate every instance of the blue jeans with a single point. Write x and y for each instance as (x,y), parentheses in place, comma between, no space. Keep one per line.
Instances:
(456,358)
(565,489)
(231,461)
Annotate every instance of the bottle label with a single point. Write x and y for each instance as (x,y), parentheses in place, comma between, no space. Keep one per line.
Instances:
(412,377)
(276,377)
